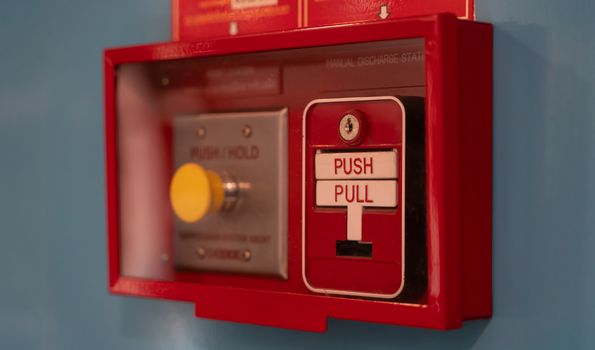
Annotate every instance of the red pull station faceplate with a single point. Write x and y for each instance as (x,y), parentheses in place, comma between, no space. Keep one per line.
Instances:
(380,272)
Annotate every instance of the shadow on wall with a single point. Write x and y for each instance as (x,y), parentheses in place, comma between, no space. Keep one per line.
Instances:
(173,325)
(542,129)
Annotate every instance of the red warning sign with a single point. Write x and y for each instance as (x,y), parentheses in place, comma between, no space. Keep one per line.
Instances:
(327,12)
(202,19)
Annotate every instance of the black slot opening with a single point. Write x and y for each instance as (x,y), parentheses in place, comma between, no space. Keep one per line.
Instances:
(354,248)
(416,258)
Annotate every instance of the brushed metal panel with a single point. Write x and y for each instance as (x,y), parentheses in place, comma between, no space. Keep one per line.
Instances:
(251,147)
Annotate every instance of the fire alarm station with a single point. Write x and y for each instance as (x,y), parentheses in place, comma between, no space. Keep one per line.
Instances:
(286,178)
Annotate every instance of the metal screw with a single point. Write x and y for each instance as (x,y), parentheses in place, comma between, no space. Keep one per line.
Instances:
(247,131)
(164,81)
(349,127)
(201,252)
(201,132)
(247,255)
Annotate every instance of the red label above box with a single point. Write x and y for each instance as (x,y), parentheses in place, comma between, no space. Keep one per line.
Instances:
(326,12)
(202,19)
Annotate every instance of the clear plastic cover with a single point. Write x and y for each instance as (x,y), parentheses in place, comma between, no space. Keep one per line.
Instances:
(178,111)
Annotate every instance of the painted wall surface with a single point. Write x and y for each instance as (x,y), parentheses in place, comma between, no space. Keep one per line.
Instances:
(52,245)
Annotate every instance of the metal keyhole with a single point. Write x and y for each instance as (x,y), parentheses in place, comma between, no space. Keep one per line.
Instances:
(349,127)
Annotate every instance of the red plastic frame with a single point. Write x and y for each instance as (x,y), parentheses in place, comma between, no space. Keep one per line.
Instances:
(459,168)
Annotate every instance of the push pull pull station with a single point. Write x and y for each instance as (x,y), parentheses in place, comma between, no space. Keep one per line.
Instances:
(356,181)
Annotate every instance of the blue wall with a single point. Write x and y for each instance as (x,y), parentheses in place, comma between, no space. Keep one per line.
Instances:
(52,246)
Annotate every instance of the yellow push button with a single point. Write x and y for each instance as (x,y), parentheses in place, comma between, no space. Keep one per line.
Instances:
(195,191)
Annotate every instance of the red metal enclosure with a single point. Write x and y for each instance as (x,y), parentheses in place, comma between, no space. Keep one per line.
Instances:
(422,90)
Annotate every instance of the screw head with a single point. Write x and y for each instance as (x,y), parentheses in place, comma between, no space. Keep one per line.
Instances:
(201,132)
(201,252)
(247,255)
(352,127)
(247,131)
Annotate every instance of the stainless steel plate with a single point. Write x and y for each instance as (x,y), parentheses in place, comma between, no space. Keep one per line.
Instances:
(251,147)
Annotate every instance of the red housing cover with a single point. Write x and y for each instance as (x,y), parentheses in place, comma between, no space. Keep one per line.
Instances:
(458,105)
